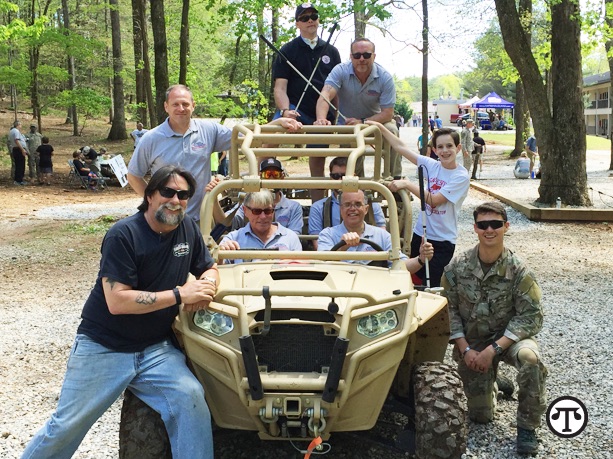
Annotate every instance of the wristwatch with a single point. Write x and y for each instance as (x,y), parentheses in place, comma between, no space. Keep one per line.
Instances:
(497,348)
(211,280)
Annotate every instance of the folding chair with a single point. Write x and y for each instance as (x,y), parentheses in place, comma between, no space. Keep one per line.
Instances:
(100,178)
(74,176)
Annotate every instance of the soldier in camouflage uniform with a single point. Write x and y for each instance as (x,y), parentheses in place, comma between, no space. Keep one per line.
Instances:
(495,311)
(34,139)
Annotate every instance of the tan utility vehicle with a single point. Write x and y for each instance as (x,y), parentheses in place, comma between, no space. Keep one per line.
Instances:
(299,345)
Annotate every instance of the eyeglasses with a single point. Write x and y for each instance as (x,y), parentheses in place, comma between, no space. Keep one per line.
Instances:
(350,205)
(169,193)
(306,17)
(364,55)
(494,224)
(268,211)
(336,175)
(271,174)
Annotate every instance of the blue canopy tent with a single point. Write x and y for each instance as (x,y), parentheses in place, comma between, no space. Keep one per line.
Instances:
(493,100)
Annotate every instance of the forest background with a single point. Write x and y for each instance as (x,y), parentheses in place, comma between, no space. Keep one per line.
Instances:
(115,59)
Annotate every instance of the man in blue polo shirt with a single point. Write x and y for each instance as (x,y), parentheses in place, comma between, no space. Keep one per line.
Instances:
(365,91)
(184,141)
(260,232)
(353,210)
(327,212)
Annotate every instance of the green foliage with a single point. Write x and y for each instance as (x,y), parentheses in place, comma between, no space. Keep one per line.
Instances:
(98,226)
(89,103)
(403,109)
(255,103)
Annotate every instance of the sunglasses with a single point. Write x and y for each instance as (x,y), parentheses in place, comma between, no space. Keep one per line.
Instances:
(494,224)
(271,174)
(169,193)
(259,211)
(306,17)
(364,55)
(349,205)
(336,176)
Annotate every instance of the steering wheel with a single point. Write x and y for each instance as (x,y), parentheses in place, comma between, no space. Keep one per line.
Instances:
(374,245)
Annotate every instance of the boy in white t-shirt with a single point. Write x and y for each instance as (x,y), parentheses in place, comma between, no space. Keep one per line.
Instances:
(447,187)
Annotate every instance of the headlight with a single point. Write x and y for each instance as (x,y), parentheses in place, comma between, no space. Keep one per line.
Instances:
(377,324)
(213,322)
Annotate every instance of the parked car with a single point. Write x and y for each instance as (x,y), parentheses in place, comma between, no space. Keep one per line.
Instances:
(481,116)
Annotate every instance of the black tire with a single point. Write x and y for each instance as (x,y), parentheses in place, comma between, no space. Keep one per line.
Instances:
(441,424)
(142,434)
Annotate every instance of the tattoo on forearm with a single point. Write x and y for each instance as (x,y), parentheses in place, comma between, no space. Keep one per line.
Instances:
(146,298)
(111,282)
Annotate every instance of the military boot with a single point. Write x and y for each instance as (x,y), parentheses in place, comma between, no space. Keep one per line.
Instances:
(505,385)
(526,441)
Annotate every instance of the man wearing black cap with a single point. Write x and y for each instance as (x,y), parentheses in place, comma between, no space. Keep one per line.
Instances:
(304,52)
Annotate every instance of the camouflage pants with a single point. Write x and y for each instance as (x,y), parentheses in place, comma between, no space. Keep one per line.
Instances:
(481,389)
(33,165)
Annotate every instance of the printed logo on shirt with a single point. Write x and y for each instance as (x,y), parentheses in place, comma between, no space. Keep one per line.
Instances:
(284,220)
(326,59)
(198,145)
(373,93)
(278,247)
(181,249)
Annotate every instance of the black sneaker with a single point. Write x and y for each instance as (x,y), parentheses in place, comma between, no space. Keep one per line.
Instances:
(505,385)
(527,442)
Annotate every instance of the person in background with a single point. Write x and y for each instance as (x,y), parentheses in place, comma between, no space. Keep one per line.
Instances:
(466,139)
(438,122)
(83,171)
(222,169)
(495,312)
(477,153)
(137,133)
(19,152)
(531,150)
(34,140)
(522,167)
(125,339)
(44,153)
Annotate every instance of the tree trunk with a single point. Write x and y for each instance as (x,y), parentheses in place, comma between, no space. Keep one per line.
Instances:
(71,73)
(137,36)
(118,128)
(560,131)
(184,46)
(522,117)
(425,124)
(158,24)
(147,68)
(609,48)
(359,18)
(522,113)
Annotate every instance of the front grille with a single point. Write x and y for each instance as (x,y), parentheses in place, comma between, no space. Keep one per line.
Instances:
(306,316)
(297,348)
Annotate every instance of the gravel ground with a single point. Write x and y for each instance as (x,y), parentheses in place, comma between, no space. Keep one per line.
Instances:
(47,272)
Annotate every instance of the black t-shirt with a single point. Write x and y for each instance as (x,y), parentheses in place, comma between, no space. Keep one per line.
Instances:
(91,154)
(304,59)
(479,144)
(79,166)
(45,151)
(135,255)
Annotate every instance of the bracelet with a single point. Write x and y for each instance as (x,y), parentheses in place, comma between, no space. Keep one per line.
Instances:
(419,261)
(466,350)
(177,295)
(363,120)
(283,110)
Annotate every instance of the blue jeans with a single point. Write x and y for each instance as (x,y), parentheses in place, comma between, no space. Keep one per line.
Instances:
(97,376)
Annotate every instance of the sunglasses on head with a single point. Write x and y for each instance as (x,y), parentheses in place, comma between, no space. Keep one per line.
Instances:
(169,193)
(358,55)
(306,17)
(494,224)
(271,174)
(268,211)
(336,175)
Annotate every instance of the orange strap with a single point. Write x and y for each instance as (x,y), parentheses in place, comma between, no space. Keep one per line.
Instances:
(314,444)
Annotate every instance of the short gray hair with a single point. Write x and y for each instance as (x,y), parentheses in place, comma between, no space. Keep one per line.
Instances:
(262,198)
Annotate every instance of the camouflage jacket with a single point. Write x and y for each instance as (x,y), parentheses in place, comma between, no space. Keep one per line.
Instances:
(482,308)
